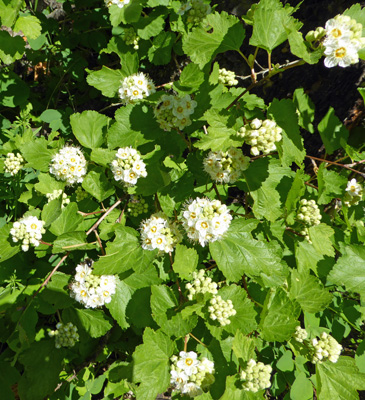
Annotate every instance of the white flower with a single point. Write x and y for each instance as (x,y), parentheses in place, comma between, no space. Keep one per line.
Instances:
(353,188)
(69,165)
(119,3)
(178,379)
(342,53)
(192,389)
(136,87)
(325,348)
(188,362)
(13,163)
(27,230)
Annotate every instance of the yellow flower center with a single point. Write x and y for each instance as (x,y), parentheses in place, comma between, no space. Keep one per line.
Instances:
(135,92)
(340,53)
(159,241)
(336,33)
(34,226)
(204,225)
(179,109)
(189,361)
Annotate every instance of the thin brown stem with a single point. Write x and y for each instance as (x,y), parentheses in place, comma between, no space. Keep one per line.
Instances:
(216,192)
(335,163)
(269,60)
(245,286)
(46,243)
(90,213)
(119,220)
(199,341)
(98,222)
(312,186)
(157,203)
(186,343)
(99,241)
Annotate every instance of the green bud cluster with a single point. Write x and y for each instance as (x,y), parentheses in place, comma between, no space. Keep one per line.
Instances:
(261,135)
(309,215)
(92,281)
(13,163)
(57,193)
(256,376)
(325,348)
(198,11)
(315,36)
(137,206)
(80,194)
(131,38)
(300,334)
(221,310)
(201,284)
(227,77)
(65,335)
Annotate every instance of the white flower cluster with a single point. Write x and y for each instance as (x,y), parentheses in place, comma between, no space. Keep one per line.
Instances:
(131,38)
(190,375)
(256,376)
(197,11)
(119,3)
(354,193)
(128,166)
(65,335)
(57,193)
(325,348)
(27,230)
(227,77)
(157,232)
(309,215)
(174,111)
(221,310)
(137,206)
(69,165)
(342,41)
(261,135)
(80,194)
(206,220)
(13,163)
(300,334)
(226,166)
(201,284)
(136,87)
(92,290)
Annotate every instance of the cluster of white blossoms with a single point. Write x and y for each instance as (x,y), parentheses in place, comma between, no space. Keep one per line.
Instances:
(226,166)
(131,38)
(190,375)
(137,206)
(65,335)
(157,232)
(128,166)
(300,334)
(354,193)
(309,214)
(80,194)
(201,284)
(325,348)
(256,376)
(13,163)
(92,290)
(342,41)
(227,77)
(261,135)
(196,10)
(206,220)
(221,310)
(136,87)
(119,3)
(28,231)
(56,194)
(174,111)
(69,165)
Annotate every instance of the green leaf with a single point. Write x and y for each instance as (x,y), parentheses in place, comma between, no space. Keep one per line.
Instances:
(47,184)
(13,91)
(330,184)
(305,109)
(12,48)
(29,25)
(68,221)
(8,249)
(349,269)
(306,256)
(42,366)
(151,364)
(295,193)
(332,131)
(89,128)
(127,14)
(151,25)
(309,292)
(103,157)
(185,261)
(9,11)
(234,391)
(124,253)
(340,380)
(238,253)
(107,80)
(97,184)
(129,61)
(301,49)
(190,79)
(279,317)
(51,211)
(291,147)
(56,292)
(160,51)
(94,322)
(320,237)
(37,154)
(119,303)
(302,388)
(71,241)
(357,13)
(243,347)
(218,33)
(271,24)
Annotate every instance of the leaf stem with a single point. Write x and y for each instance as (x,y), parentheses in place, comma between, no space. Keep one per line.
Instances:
(335,163)
(199,341)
